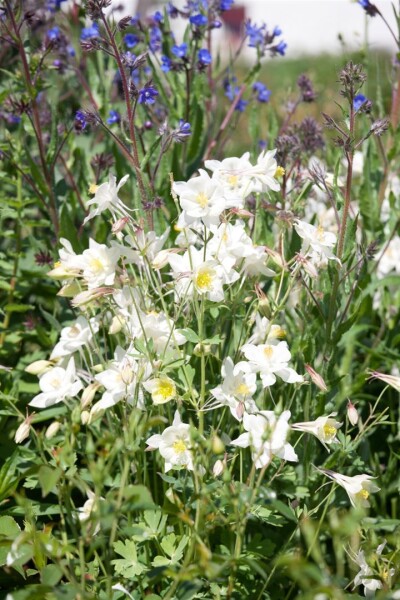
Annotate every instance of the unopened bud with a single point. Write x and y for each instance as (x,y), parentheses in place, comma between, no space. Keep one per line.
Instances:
(61,272)
(39,366)
(352,413)
(240,411)
(217,445)
(118,321)
(85,417)
(391,380)
(218,468)
(52,430)
(263,303)
(242,213)
(202,349)
(119,225)
(316,378)
(89,393)
(23,430)
(276,257)
(161,259)
(69,290)
(90,295)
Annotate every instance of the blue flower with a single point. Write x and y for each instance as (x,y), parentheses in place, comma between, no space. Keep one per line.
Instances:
(184,127)
(131,40)
(277,31)
(183,132)
(165,64)
(155,39)
(80,122)
(157,17)
(358,101)
(204,57)
(53,34)
(147,95)
(198,20)
(225,4)
(91,32)
(369,8)
(172,10)
(71,50)
(179,51)
(114,117)
(255,34)
(263,93)
(281,48)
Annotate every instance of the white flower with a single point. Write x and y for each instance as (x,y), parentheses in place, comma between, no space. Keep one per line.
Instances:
(264,172)
(106,198)
(265,332)
(74,337)
(143,246)
(236,390)
(119,380)
(268,360)
(86,512)
(69,264)
(174,445)
(98,264)
(162,389)
(365,576)
(193,271)
(200,198)
(266,435)
(56,385)
(324,428)
(358,487)
(317,242)
(235,176)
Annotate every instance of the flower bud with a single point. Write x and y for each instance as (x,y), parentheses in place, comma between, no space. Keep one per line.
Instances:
(39,366)
(52,430)
(23,430)
(201,349)
(88,394)
(90,295)
(352,413)
(161,259)
(85,417)
(119,225)
(217,445)
(69,290)
(316,378)
(218,468)
(116,324)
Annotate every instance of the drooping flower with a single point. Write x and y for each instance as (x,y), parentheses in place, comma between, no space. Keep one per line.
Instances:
(271,360)
(74,337)
(323,428)
(88,511)
(266,435)
(106,198)
(358,487)
(174,445)
(56,385)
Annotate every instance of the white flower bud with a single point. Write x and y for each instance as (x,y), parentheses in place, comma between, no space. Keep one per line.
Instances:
(116,324)
(119,225)
(69,290)
(88,394)
(316,378)
(39,366)
(23,430)
(218,468)
(85,417)
(352,413)
(52,430)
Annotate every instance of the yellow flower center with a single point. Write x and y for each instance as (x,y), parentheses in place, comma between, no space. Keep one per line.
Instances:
(179,447)
(362,495)
(329,431)
(55,383)
(202,199)
(204,280)
(166,389)
(320,233)
(93,188)
(268,351)
(57,264)
(233,180)
(242,390)
(96,265)
(280,171)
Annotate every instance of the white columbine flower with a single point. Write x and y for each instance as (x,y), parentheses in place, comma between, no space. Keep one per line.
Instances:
(56,385)
(201,198)
(263,332)
(266,435)
(268,360)
(87,511)
(235,176)
(264,171)
(98,264)
(142,247)
(236,390)
(174,445)
(106,198)
(317,243)
(162,389)
(74,337)
(358,487)
(324,428)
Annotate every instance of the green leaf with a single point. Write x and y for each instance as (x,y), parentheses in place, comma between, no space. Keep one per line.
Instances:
(48,478)
(190,335)
(9,528)
(129,566)
(8,479)
(51,574)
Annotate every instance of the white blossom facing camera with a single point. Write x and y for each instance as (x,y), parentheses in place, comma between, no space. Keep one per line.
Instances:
(106,198)
(358,488)
(236,390)
(266,435)
(98,264)
(201,198)
(271,360)
(317,243)
(162,389)
(56,385)
(174,445)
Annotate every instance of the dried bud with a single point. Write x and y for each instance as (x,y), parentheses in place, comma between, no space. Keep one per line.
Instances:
(52,430)
(329,122)
(23,430)
(352,413)
(94,8)
(133,91)
(316,378)
(371,250)
(352,77)
(306,88)
(124,23)
(379,126)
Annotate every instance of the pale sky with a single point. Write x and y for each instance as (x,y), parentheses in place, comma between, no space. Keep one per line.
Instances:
(312,26)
